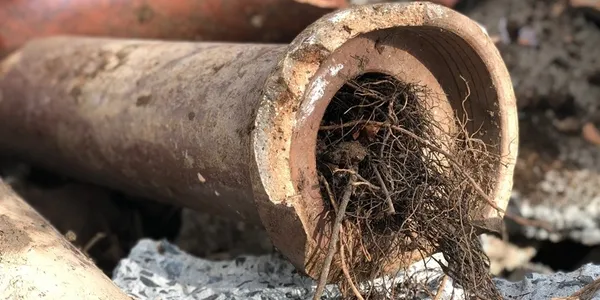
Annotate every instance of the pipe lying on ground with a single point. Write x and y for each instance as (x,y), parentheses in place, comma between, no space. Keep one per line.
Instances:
(38,262)
(232,128)
(233,20)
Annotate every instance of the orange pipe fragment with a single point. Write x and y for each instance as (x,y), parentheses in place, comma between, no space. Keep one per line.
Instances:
(276,21)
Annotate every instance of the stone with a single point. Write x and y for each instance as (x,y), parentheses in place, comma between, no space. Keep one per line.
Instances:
(505,256)
(160,270)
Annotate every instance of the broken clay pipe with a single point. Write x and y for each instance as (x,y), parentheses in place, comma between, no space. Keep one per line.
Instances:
(232,128)
(234,20)
(36,261)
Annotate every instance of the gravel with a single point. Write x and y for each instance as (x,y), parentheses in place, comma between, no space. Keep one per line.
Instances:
(159,270)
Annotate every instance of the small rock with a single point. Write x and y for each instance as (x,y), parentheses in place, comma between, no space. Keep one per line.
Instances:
(527,37)
(201,178)
(505,256)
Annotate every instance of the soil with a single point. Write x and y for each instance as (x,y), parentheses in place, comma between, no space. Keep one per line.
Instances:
(216,238)
(551,51)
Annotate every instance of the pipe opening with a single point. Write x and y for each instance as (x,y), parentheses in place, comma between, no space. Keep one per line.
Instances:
(363,134)
(404,179)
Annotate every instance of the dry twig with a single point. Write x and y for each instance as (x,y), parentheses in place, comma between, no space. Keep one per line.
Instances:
(388,199)
(93,241)
(586,293)
(440,289)
(334,238)
(346,272)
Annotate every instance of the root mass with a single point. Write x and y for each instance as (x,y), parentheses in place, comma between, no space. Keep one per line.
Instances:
(399,184)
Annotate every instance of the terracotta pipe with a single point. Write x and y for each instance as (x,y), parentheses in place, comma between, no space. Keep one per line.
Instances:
(37,262)
(232,128)
(221,20)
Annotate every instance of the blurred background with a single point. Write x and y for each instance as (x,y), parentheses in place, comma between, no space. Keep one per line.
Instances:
(551,48)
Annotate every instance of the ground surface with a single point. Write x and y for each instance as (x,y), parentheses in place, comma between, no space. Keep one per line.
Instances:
(157,269)
(551,51)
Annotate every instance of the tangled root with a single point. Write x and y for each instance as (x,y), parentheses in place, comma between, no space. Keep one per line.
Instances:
(397,182)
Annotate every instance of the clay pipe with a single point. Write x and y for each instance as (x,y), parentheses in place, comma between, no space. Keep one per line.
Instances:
(231,128)
(216,20)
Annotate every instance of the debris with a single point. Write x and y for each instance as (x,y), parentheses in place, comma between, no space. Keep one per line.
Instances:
(147,274)
(201,178)
(334,238)
(384,217)
(527,37)
(556,71)
(70,236)
(557,182)
(505,256)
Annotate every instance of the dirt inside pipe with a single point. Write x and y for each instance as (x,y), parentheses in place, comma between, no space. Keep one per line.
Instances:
(399,182)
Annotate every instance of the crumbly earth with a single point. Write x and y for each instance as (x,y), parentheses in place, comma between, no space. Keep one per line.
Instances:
(551,52)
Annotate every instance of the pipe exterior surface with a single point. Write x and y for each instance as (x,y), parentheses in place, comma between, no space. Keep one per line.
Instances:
(221,20)
(37,262)
(232,128)
(165,119)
